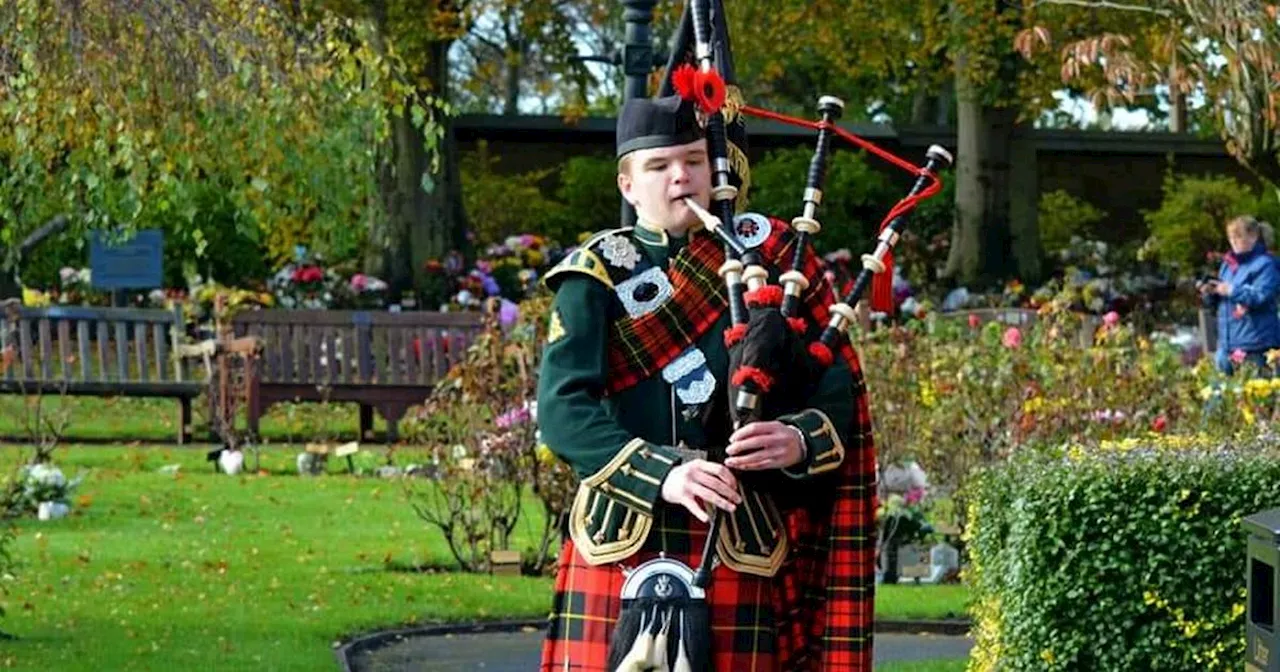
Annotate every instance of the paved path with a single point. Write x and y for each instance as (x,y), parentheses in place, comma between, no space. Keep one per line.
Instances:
(518,652)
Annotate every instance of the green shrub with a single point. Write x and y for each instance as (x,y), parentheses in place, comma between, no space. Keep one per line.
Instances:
(589,191)
(1062,216)
(499,205)
(857,196)
(1124,556)
(1192,215)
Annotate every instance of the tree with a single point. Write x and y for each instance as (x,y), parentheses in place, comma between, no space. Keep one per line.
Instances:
(526,50)
(193,116)
(898,61)
(1227,51)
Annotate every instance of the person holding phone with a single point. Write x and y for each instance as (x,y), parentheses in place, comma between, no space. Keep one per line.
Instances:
(1244,295)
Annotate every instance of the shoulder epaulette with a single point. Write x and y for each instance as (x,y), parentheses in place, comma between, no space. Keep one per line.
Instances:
(585,260)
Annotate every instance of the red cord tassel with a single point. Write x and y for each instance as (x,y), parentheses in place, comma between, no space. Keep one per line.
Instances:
(821,352)
(882,287)
(768,295)
(734,334)
(797,324)
(762,380)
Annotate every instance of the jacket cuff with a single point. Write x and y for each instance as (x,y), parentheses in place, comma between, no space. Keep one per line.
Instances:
(634,476)
(612,512)
(823,449)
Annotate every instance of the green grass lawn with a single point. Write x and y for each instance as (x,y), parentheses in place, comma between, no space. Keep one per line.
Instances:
(128,419)
(156,571)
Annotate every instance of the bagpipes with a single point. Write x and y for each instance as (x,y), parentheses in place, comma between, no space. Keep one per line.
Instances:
(775,360)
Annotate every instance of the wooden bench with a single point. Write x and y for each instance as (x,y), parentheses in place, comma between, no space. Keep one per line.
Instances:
(379,360)
(100,352)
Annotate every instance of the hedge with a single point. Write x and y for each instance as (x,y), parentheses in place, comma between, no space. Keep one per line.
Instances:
(1126,556)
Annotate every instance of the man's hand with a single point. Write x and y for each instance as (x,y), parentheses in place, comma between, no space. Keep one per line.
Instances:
(697,482)
(764,445)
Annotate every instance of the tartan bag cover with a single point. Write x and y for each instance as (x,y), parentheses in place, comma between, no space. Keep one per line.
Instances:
(821,602)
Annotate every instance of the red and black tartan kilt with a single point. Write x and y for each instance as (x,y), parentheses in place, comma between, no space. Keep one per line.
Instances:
(588,600)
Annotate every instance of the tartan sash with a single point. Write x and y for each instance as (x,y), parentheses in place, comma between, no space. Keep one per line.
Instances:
(643,345)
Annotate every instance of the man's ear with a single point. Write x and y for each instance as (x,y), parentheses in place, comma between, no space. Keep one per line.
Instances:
(624,186)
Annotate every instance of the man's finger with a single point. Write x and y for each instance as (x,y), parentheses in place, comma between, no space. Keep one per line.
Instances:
(717,472)
(692,504)
(756,461)
(751,429)
(711,482)
(750,443)
(707,494)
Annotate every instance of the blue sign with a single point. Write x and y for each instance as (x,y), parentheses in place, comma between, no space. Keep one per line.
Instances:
(131,263)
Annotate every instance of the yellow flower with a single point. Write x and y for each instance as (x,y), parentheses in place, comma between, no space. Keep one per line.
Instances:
(1249,417)
(34,298)
(927,396)
(544,454)
(1032,405)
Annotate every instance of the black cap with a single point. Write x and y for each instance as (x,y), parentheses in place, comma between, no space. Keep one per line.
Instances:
(645,123)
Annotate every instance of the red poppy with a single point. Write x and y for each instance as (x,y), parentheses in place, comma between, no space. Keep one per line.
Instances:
(705,88)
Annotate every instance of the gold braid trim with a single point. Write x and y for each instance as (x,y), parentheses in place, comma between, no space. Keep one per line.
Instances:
(738,163)
(732,103)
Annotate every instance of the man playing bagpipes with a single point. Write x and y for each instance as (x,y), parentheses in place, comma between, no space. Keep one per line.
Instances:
(631,394)
(699,379)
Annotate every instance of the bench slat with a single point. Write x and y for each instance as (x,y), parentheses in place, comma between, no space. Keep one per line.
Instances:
(82,347)
(104,374)
(46,349)
(410,359)
(161,343)
(301,355)
(140,351)
(64,348)
(7,333)
(122,351)
(394,355)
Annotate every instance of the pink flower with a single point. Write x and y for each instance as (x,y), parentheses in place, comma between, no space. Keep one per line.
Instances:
(974,321)
(1012,338)
(1238,356)
(359,282)
(1111,319)
(914,496)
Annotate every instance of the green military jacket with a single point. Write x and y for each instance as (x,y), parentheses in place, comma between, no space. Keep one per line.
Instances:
(622,445)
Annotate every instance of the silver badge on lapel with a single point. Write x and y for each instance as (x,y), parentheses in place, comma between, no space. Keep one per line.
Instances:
(752,228)
(644,292)
(619,251)
(692,379)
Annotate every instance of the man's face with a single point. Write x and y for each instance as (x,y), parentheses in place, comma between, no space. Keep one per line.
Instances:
(657,181)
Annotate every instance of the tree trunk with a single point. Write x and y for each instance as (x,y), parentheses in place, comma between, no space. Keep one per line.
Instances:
(981,239)
(1024,201)
(1177,100)
(424,215)
(8,288)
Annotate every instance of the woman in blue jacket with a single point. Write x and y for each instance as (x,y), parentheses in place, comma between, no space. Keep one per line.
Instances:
(1245,296)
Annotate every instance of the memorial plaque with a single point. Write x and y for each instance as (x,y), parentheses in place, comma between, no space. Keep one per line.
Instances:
(135,262)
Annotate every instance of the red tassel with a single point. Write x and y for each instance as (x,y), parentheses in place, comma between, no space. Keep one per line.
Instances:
(821,352)
(882,287)
(762,380)
(734,334)
(797,324)
(684,80)
(769,295)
